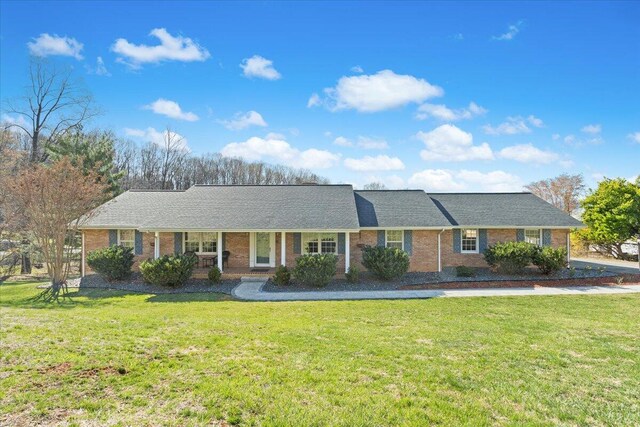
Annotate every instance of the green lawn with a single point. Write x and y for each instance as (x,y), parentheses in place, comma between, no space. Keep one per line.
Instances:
(115,358)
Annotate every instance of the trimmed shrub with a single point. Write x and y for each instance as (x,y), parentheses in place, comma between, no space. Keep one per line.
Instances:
(214,274)
(169,270)
(282,276)
(353,274)
(112,263)
(550,260)
(315,269)
(464,271)
(385,263)
(510,257)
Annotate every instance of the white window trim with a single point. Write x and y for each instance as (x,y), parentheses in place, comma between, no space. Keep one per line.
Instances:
(133,242)
(199,251)
(318,234)
(386,238)
(477,250)
(539,230)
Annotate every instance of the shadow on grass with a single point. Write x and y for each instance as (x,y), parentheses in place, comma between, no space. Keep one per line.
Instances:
(190,297)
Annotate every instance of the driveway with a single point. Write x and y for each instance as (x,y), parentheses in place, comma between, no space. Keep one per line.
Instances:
(612,265)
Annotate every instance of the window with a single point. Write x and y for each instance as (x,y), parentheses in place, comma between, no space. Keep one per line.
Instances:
(127,238)
(469,243)
(202,243)
(533,236)
(394,239)
(316,243)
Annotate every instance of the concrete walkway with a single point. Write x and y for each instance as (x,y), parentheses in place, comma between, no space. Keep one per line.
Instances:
(252,291)
(613,265)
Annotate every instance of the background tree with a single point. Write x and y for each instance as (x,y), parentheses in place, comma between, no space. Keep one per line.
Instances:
(53,105)
(374,186)
(54,201)
(563,191)
(93,151)
(612,215)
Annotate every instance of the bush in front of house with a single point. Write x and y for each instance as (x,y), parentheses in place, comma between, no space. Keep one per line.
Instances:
(510,257)
(464,271)
(112,263)
(550,260)
(168,270)
(282,276)
(353,274)
(214,274)
(315,269)
(385,263)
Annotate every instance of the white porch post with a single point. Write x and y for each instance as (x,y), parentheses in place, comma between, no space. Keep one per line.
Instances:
(156,245)
(347,252)
(568,247)
(218,249)
(283,249)
(83,259)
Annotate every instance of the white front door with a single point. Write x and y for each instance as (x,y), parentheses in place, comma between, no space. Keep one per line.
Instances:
(263,253)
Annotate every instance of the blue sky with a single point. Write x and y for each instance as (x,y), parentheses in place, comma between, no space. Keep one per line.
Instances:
(447,97)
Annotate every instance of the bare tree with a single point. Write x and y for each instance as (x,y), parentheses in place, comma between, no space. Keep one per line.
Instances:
(54,201)
(563,191)
(53,104)
(374,186)
(173,152)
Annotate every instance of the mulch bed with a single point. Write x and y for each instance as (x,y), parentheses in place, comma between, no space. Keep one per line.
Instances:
(628,279)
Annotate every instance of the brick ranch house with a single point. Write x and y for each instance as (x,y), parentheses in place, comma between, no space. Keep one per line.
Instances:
(260,227)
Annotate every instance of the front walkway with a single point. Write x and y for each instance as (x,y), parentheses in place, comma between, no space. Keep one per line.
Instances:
(251,290)
(613,265)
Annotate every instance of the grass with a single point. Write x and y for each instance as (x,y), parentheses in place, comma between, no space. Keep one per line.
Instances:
(110,357)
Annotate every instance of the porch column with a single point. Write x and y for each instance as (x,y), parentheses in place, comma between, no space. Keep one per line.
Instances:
(283,248)
(219,250)
(83,256)
(156,245)
(347,252)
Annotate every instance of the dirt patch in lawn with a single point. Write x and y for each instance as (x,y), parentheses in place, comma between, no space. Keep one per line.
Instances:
(627,279)
(65,367)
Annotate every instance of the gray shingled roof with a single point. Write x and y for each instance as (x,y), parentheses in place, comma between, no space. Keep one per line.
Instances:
(234,207)
(501,209)
(398,208)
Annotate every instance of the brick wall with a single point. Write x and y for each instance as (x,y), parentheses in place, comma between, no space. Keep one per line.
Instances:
(424,248)
(238,246)
(95,239)
(451,259)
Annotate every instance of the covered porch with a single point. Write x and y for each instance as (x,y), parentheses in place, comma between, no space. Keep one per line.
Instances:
(246,253)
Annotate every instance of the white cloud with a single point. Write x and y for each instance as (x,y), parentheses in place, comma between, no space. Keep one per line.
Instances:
(314,100)
(634,137)
(357,69)
(260,67)
(15,121)
(535,121)
(170,109)
(458,36)
(527,153)
(244,120)
(342,142)
(275,149)
(555,136)
(48,45)
(512,31)
(593,129)
(158,137)
(171,48)
(513,126)
(465,180)
(446,114)
(393,182)
(377,92)
(498,181)
(370,164)
(435,180)
(369,143)
(449,143)
(100,68)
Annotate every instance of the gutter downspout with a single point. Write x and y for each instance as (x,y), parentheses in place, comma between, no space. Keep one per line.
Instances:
(440,252)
